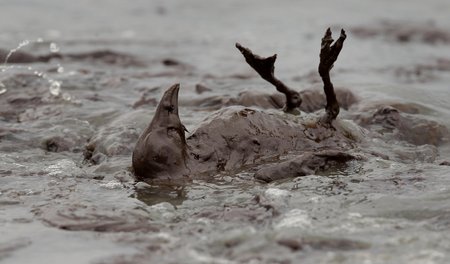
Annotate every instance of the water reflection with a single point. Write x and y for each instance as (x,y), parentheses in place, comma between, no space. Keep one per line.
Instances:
(173,193)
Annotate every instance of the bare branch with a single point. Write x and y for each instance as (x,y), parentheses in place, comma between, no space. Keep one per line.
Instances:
(328,55)
(265,68)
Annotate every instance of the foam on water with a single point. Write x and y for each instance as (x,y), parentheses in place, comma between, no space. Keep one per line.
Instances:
(295,218)
(64,168)
(112,185)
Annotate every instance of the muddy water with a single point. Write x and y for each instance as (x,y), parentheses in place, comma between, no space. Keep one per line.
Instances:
(57,207)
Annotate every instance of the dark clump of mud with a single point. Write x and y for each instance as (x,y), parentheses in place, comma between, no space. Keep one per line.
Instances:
(322,244)
(404,32)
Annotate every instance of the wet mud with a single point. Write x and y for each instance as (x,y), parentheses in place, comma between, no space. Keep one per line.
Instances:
(406,31)
(100,56)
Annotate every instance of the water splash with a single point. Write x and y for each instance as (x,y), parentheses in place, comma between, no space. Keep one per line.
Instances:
(55,85)
(11,52)
(68,97)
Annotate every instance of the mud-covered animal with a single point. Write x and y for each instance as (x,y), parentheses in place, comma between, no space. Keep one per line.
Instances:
(236,138)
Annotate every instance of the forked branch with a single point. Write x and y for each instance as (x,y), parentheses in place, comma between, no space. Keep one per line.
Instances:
(265,68)
(328,55)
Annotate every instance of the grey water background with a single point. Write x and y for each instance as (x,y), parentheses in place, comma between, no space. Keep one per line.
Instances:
(55,208)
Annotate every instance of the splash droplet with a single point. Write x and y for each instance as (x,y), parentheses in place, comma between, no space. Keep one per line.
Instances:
(23,43)
(66,96)
(38,73)
(53,47)
(55,88)
(2,88)
(39,40)
(60,69)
